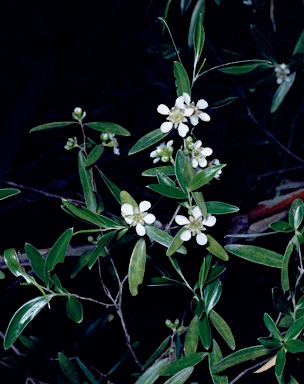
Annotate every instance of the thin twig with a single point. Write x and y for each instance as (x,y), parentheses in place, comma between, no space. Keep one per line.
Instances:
(247,370)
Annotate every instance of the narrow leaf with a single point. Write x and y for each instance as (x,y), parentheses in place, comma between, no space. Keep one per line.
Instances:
(180,377)
(51,126)
(199,37)
(181,170)
(263,44)
(147,141)
(165,190)
(213,358)
(198,10)
(167,170)
(74,309)
(192,336)
(280,362)
(102,243)
(152,373)
(94,155)
(272,328)
(112,187)
(68,368)
(182,363)
(223,328)
(222,103)
(137,266)
(162,238)
(299,47)
(204,176)
(296,328)
(36,259)
(109,128)
(182,81)
(285,263)
(159,350)
(87,372)
(219,208)
(165,180)
(205,332)
(216,249)
(200,202)
(256,254)
(7,192)
(294,346)
(176,243)
(86,182)
(281,92)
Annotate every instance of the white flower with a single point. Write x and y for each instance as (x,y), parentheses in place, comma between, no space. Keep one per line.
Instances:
(199,154)
(282,73)
(247,2)
(195,225)
(196,109)
(215,162)
(177,116)
(115,143)
(138,217)
(162,152)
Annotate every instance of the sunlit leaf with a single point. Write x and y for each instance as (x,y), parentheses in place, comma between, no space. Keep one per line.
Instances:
(74,309)
(256,254)
(59,124)
(147,141)
(162,238)
(165,180)
(86,182)
(220,208)
(167,170)
(281,92)
(68,368)
(222,327)
(212,294)
(184,362)
(192,336)
(109,128)
(22,317)
(126,198)
(182,81)
(7,192)
(137,266)
(199,37)
(200,202)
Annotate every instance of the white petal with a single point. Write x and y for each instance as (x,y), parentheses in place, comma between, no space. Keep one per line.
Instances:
(128,220)
(194,163)
(156,160)
(202,104)
(166,127)
(185,236)
(140,230)
(207,151)
(196,212)
(204,116)
(197,144)
(179,103)
(202,162)
(127,209)
(181,220)
(188,112)
(279,80)
(116,151)
(186,98)
(149,218)
(201,239)
(144,206)
(209,221)
(193,120)
(170,143)
(163,109)
(182,129)
(153,154)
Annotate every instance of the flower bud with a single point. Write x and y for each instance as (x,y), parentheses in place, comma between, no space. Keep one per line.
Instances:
(78,114)
(189,139)
(170,150)
(169,323)
(176,323)
(186,152)
(180,329)
(91,239)
(161,152)
(104,136)
(165,159)
(190,146)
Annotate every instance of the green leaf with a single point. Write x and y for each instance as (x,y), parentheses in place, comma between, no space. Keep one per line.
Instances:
(162,238)
(2,275)
(181,170)
(296,328)
(212,293)
(192,336)
(216,249)
(86,182)
(180,377)
(280,302)
(68,368)
(52,125)
(272,328)
(204,176)
(182,81)
(214,357)
(109,128)
(299,47)
(152,373)
(165,190)
(285,263)
(292,210)
(36,259)
(159,350)
(204,270)
(102,242)
(74,309)
(57,254)
(184,5)
(87,372)
(165,180)
(147,141)
(281,92)
(112,187)
(263,44)
(205,332)
(137,266)
(256,254)
(216,271)
(298,216)
(7,192)
(94,155)
(243,67)
(199,37)
(223,328)
(294,346)
(219,208)
(198,13)
(126,198)
(176,243)
(270,342)
(22,317)
(242,355)
(281,226)
(184,362)
(167,170)
(222,103)
(280,362)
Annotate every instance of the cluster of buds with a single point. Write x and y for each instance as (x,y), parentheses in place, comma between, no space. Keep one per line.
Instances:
(71,143)
(109,140)
(163,152)
(175,326)
(78,114)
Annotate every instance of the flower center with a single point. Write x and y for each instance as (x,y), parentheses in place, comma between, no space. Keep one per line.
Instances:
(176,115)
(138,216)
(195,226)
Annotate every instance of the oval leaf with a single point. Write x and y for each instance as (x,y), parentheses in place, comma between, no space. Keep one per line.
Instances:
(52,125)
(167,170)
(36,259)
(147,141)
(162,238)
(74,309)
(216,249)
(109,128)
(94,155)
(203,177)
(223,328)
(182,81)
(137,266)
(219,208)
(165,190)
(192,336)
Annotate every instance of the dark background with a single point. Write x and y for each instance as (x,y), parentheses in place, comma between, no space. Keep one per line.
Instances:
(58,55)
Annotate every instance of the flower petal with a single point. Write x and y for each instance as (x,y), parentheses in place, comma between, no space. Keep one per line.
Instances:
(156,160)
(166,127)
(183,129)
(194,120)
(144,206)
(181,220)
(202,162)
(188,112)
(197,144)
(207,151)
(204,116)
(186,98)
(202,104)
(128,220)
(153,154)
(201,239)
(209,221)
(127,209)
(185,236)
(196,212)
(194,163)
(149,218)
(179,103)
(163,109)
(170,143)
(140,230)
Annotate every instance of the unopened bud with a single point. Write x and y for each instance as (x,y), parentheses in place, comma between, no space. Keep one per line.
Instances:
(78,114)
(165,159)
(180,329)
(104,136)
